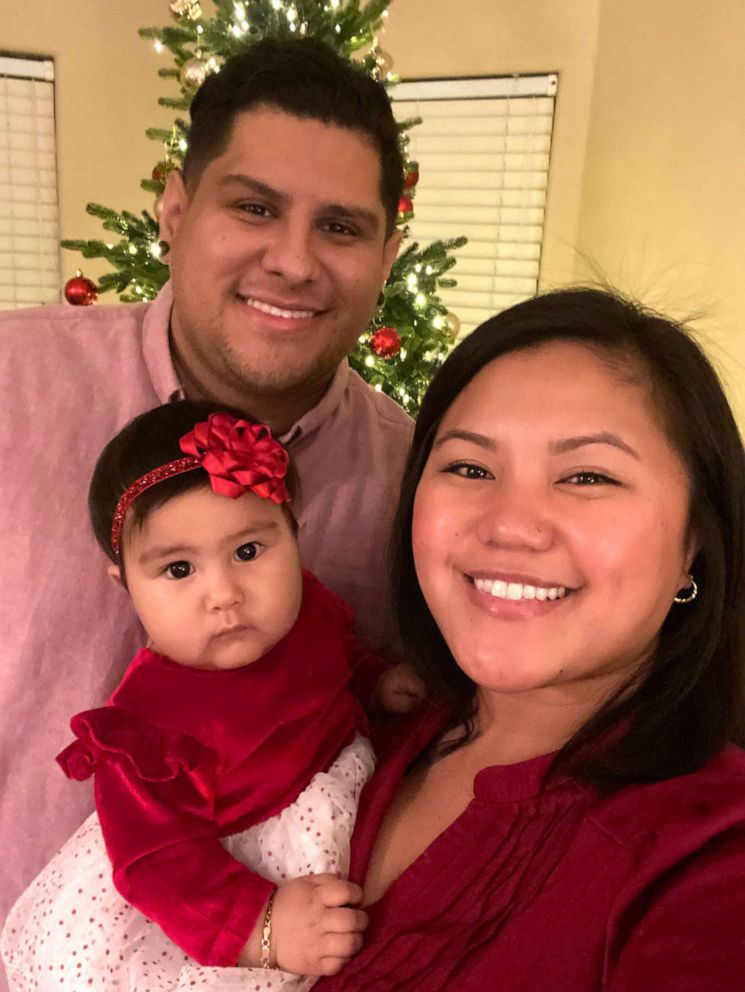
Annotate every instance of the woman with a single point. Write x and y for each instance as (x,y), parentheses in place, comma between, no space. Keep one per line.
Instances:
(569,575)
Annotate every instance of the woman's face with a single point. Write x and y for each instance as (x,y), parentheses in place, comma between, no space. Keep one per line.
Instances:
(550,522)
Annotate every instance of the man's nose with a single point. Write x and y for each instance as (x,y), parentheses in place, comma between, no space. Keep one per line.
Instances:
(291,251)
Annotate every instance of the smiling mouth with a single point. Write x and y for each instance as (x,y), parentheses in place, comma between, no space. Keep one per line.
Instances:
(517,591)
(274,311)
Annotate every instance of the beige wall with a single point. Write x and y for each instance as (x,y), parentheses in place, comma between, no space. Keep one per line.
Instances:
(482,37)
(106,93)
(663,203)
(648,158)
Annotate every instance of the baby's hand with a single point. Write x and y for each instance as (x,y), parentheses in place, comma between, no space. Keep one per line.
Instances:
(399,690)
(315,929)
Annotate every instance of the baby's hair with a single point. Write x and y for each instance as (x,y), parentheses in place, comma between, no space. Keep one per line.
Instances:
(144,444)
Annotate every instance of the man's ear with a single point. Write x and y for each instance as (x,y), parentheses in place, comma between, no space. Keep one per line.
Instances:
(115,575)
(175,200)
(390,250)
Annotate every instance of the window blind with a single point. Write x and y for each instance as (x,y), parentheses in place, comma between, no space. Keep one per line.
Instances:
(483,151)
(29,234)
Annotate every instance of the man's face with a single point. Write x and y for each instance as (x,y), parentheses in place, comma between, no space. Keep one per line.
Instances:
(277,257)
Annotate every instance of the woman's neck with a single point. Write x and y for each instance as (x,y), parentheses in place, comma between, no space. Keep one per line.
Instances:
(517,726)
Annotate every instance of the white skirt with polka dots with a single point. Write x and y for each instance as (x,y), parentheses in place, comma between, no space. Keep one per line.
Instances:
(71,931)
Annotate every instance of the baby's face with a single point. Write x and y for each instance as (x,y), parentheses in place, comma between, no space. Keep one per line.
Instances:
(215,581)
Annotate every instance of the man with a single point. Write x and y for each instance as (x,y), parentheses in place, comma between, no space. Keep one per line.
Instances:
(280,234)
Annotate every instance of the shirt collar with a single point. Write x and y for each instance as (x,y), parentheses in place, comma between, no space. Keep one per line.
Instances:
(317,416)
(156,347)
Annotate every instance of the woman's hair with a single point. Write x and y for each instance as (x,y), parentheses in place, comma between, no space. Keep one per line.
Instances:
(689,699)
(144,444)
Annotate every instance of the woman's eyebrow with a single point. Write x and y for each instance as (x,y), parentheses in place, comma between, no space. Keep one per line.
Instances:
(602,437)
(457,435)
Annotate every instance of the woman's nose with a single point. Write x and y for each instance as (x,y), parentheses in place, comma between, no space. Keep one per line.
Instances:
(515,517)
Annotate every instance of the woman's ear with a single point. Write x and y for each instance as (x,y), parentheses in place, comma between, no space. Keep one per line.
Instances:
(692,548)
(115,574)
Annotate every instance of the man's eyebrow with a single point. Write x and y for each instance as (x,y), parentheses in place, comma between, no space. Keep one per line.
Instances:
(253,185)
(602,437)
(360,214)
(457,435)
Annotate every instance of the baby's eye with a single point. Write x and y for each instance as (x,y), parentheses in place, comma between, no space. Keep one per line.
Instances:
(179,569)
(249,551)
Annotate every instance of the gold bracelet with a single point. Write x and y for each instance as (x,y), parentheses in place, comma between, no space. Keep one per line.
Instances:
(266,935)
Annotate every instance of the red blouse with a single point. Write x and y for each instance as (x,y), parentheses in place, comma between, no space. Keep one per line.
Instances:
(183,756)
(561,892)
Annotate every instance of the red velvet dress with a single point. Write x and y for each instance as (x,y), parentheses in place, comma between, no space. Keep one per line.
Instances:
(561,892)
(185,756)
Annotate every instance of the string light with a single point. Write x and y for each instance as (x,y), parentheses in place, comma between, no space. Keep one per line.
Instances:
(158,46)
(420,299)
(370,362)
(155,249)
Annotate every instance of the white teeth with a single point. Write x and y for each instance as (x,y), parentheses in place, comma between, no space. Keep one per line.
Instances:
(518,590)
(278,311)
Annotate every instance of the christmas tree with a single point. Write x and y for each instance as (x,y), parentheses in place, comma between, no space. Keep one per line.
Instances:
(411,332)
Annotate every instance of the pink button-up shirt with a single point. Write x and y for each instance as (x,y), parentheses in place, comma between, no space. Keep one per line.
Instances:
(70,379)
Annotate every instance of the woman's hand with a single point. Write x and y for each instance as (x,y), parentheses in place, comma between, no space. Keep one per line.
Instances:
(399,690)
(315,927)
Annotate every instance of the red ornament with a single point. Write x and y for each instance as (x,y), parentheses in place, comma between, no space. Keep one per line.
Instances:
(159,173)
(80,292)
(386,342)
(411,178)
(405,207)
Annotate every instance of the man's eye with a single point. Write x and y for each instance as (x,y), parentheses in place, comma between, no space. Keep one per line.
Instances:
(334,227)
(247,552)
(255,209)
(179,569)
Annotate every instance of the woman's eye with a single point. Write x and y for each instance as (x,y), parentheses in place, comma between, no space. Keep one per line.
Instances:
(179,569)
(467,470)
(247,552)
(590,479)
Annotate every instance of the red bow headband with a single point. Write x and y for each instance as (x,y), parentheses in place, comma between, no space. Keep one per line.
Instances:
(238,456)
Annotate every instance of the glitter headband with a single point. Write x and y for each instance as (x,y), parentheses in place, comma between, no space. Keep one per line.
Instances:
(238,456)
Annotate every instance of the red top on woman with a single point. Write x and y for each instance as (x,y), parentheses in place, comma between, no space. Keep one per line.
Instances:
(567,891)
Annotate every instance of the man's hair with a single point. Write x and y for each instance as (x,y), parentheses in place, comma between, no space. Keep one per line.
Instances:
(303,77)
(144,444)
(682,706)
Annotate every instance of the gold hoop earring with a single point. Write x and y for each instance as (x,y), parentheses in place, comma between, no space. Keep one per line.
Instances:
(692,592)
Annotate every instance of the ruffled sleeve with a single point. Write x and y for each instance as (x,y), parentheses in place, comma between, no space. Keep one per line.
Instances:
(154,754)
(155,800)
